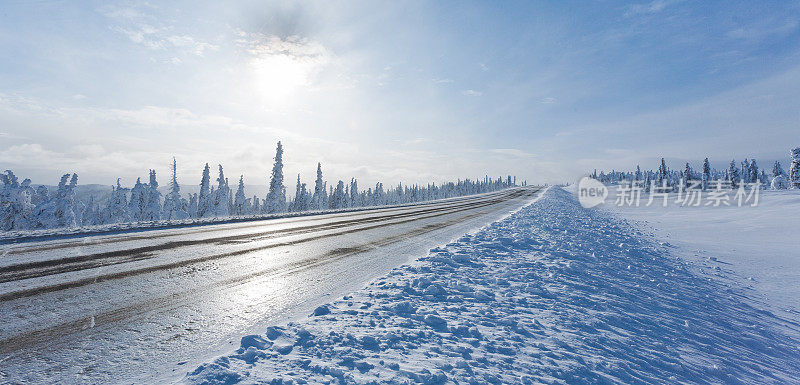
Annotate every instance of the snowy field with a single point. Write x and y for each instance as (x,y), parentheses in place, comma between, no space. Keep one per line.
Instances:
(552,294)
(751,247)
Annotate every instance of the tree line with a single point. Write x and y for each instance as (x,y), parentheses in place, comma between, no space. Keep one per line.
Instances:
(734,175)
(25,207)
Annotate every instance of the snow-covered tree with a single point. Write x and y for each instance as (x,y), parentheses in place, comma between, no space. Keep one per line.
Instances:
(338,199)
(354,197)
(194,206)
(662,173)
(706,173)
(117,209)
(733,174)
(221,194)
(92,215)
(688,174)
(777,169)
(301,199)
(318,199)
(744,173)
(152,207)
(794,169)
(752,171)
(205,202)
(138,200)
(173,204)
(16,208)
(60,210)
(240,202)
(276,197)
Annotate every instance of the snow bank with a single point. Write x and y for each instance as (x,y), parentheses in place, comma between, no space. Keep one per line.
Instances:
(552,294)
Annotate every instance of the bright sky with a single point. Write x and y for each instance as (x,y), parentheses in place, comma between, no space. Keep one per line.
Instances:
(393,91)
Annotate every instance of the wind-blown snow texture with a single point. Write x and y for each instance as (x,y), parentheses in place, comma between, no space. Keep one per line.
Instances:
(553,294)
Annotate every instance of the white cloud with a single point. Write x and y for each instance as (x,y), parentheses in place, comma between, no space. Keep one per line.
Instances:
(652,7)
(144,29)
(762,30)
(471,93)
(512,152)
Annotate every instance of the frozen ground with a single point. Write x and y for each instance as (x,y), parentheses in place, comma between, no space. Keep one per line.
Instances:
(552,294)
(751,247)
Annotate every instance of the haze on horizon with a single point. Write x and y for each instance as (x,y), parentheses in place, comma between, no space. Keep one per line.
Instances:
(410,92)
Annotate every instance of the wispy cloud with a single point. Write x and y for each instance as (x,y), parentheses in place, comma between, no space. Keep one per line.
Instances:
(148,31)
(511,152)
(762,30)
(471,93)
(652,7)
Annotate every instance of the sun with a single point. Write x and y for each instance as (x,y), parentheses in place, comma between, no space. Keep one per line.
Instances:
(278,78)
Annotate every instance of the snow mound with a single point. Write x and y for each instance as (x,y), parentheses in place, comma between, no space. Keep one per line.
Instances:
(552,294)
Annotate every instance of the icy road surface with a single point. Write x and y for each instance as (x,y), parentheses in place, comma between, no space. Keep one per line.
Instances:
(148,306)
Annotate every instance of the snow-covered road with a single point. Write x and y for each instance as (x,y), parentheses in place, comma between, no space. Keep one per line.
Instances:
(553,294)
(143,306)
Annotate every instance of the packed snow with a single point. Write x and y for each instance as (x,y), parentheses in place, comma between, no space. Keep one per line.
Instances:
(754,247)
(554,293)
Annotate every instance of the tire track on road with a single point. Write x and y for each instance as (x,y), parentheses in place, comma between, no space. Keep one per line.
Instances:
(64,331)
(149,269)
(69,264)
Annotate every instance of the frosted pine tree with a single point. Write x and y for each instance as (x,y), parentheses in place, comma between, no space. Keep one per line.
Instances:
(91,214)
(354,201)
(240,202)
(205,202)
(297,203)
(706,173)
(117,209)
(59,211)
(41,195)
(230,197)
(744,173)
(794,169)
(688,174)
(733,175)
(317,199)
(276,197)
(193,206)
(173,204)
(379,197)
(337,197)
(752,171)
(16,208)
(137,201)
(662,173)
(152,208)
(220,202)
(777,169)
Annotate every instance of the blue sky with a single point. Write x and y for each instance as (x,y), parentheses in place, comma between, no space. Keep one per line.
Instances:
(393,91)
